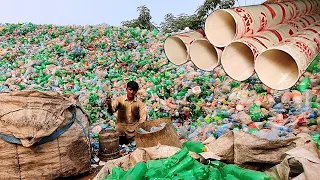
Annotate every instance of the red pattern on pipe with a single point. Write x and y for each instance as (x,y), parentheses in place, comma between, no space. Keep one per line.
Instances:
(317,43)
(272,12)
(303,1)
(246,17)
(201,32)
(302,47)
(315,31)
(291,32)
(254,49)
(260,42)
(294,25)
(309,23)
(283,10)
(314,19)
(263,21)
(276,33)
(296,10)
(262,37)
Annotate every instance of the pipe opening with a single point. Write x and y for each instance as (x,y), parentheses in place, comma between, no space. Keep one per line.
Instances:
(175,50)
(277,69)
(238,61)
(204,55)
(220,28)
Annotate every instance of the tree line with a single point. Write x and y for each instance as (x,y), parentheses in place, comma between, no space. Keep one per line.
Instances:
(173,23)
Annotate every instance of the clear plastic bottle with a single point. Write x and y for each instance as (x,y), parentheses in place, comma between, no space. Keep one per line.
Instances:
(307,97)
(195,133)
(183,132)
(286,97)
(245,128)
(272,134)
(297,98)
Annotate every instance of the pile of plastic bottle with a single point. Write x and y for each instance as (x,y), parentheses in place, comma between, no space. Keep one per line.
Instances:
(96,61)
(182,166)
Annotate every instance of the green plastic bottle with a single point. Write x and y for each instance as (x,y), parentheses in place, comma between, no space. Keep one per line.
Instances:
(216,118)
(215,174)
(196,147)
(314,98)
(207,120)
(156,173)
(184,178)
(221,78)
(259,89)
(315,65)
(316,138)
(155,163)
(199,170)
(184,164)
(314,105)
(253,130)
(137,173)
(231,177)
(156,169)
(126,175)
(312,122)
(243,174)
(176,158)
(117,173)
(217,164)
(304,84)
(186,173)
(255,112)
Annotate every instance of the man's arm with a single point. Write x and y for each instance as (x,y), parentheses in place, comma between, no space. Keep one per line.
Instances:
(142,113)
(112,106)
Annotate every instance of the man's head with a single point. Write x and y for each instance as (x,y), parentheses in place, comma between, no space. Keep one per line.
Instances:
(132,89)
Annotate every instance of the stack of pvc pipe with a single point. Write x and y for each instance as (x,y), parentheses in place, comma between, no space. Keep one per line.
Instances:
(194,46)
(276,40)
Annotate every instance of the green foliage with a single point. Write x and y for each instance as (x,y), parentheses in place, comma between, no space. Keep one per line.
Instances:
(143,21)
(174,24)
(196,20)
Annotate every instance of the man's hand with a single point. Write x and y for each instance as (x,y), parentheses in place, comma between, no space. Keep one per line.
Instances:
(112,123)
(108,100)
(109,104)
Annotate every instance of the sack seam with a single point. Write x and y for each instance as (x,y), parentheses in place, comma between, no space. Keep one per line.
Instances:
(18,161)
(60,163)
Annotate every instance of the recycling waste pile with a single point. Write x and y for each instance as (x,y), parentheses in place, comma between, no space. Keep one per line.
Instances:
(96,61)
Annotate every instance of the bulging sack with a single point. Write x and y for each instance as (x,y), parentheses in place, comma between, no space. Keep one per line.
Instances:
(42,136)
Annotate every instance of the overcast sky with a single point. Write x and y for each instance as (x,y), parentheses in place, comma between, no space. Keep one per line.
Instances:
(82,12)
